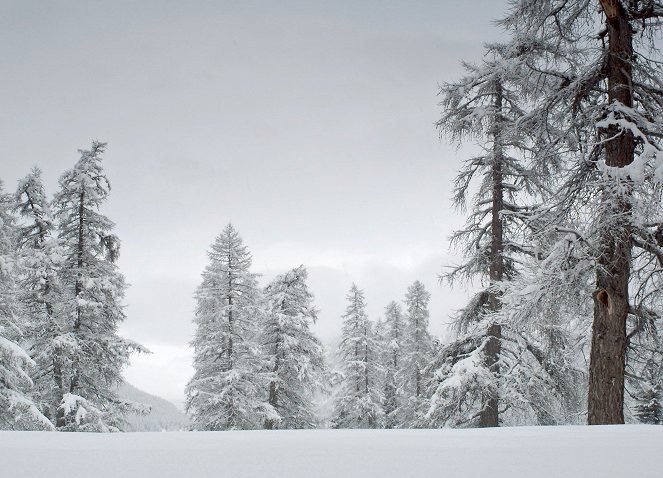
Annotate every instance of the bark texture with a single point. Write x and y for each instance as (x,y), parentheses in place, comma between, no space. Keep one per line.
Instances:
(611,298)
(489,415)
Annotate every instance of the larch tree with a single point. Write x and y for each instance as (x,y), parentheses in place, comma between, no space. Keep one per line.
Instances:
(17,409)
(494,365)
(229,388)
(296,357)
(417,352)
(484,105)
(92,302)
(605,111)
(392,362)
(41,258)
(358,403)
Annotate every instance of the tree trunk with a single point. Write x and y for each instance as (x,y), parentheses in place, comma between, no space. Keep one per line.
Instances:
(273,401)
(607,359)
(78,288)
(489,414)
(59,383)
(230,310)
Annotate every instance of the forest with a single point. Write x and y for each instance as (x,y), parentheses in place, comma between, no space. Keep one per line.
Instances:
(562,247)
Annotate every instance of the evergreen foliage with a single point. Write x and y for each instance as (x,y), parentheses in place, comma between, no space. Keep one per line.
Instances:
(90,355)
(228,389)
(359,402)
(17,409)
(295,355)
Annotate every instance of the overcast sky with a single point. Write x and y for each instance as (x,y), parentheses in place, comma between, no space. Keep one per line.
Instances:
(308,124)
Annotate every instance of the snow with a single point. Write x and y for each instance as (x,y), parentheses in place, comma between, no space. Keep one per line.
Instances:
(542,452)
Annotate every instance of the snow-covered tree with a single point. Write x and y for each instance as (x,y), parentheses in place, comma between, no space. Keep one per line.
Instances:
(92,302)
(393,343)
(495,365)
(228,389)
(484,105)
(41,257)
(17,409)
(417,353)
(649,400)
(395,329)
(595,80)
(358,404)
(296,356)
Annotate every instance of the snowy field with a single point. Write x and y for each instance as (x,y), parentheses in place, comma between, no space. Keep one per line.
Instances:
(566,452)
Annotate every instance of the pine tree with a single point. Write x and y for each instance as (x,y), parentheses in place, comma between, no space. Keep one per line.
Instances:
(392,362)
(598,99)
(416,355)
(482,104)
(227,391)
(488,367)
(95,353)
(650,407)
(17,409)
(41,258)
(359,402)
(295,354)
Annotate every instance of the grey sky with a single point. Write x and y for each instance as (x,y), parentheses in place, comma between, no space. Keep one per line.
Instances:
(309,124)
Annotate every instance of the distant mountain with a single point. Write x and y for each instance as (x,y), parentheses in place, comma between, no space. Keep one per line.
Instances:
(164,415)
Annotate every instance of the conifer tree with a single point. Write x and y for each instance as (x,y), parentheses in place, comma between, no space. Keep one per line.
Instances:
(416,355)
(92,307)
(228,389)
(489,364)
(482,104)
(17,409)
(598,97)
(295,355)
(41,258)
(358,404)
(392,362)
(649,399)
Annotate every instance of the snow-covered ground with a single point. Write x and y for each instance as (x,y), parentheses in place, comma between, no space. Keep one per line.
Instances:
(567,452)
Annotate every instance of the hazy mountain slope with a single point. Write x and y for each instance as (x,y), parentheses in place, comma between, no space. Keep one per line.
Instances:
(164,415)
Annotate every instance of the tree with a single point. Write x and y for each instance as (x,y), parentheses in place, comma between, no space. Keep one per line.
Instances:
(94,352)
(416,355)
(484,104)
(598,97)
(358,403)
(497,364)
(41,255)
(227,391)
(392,362)
(295,354)
(649,400)
(17,409)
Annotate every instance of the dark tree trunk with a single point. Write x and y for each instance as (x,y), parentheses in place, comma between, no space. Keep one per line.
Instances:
(230,310)
(606,368)
(273,388)
(273,401)
(78,287)
(489,415)
(59,383)
(366,380)
(417,373)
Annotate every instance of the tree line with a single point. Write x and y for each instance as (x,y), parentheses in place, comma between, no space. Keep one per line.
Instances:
(258,365)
